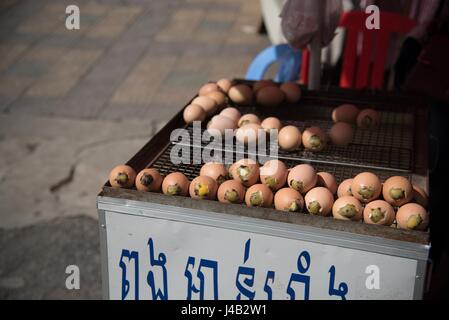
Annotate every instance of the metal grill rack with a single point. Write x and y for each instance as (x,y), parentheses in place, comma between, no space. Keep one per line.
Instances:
(165,166)
(388,147)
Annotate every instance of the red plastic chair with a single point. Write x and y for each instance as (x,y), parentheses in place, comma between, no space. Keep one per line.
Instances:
(367,69)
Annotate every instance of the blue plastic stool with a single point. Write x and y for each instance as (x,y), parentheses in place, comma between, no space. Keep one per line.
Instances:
(288,58)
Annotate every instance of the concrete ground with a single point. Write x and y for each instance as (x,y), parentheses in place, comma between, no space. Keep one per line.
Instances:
(75,103)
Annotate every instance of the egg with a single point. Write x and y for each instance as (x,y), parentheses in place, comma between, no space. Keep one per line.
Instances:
(366,187)
(368,119)
(274,174)
(287,199)
(216,171)
(224,85)
(347,208)
(249,134)
(292,91)
(314,139)
(248,118)
(271,123)
(319,201)
(241,94)
(246,171)
(122,176)
(218,96)
(203,187)
(345,113)
(194,112)
(289,138)
(327,180)
(412,216)
(263,84)
(149,180)
(231,191)
(207,103)
(259,195)
(270,96)
(344,189)
(207,88)
(221,123)
(341,134)
(175,184)
(231,113)
(302,178)
(379,212)
(397,191)
(420,196)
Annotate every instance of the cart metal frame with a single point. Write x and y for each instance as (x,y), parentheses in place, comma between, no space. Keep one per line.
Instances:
(378,239)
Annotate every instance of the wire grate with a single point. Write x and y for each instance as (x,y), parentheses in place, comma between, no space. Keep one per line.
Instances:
(389,147)
(165,166)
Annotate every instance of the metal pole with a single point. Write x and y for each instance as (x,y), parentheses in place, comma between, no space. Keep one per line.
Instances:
(315,51)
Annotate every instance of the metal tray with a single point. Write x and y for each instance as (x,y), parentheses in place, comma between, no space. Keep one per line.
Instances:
(398,147)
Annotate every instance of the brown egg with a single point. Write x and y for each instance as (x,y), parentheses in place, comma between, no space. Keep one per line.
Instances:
(345,113)
(248,118)
(203,187)
(249,134)
(241,94)
(231,191)
(397,191)
(368,119)
(262,84)
(379,212)
(412,216)
(302,178)
(231,113)
(289,138)
(366,187)
(420,196)
(344,189)
(207,88)
(259,195)
(218,96)
(194,112)
(221,123)
(175,184)
(314,139)
(270,96)
(287,199)
(319,201)
(149,180)
(271,123)
(122,176)
(274,174)
(224,85)
(327,180)
(216,171)
(246,171)
(347,208)
(292,91)
(341,134)
(207,103)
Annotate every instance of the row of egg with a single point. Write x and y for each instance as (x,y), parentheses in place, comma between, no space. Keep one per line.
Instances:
(249,128)
(213,95)
(291,190)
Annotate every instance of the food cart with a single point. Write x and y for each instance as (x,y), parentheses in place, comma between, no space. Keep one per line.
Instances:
(155,246)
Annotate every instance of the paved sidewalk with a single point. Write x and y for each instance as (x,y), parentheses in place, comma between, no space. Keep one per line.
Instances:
(73,104)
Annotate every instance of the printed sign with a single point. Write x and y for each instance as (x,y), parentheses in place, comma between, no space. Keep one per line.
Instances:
(151,258)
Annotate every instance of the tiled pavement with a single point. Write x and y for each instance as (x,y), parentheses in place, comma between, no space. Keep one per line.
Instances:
(75,103)
(130,59)
(129,68)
